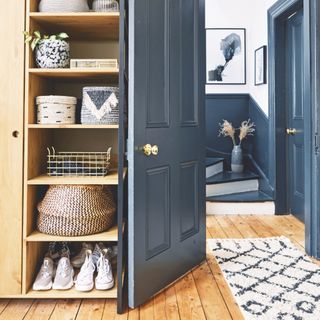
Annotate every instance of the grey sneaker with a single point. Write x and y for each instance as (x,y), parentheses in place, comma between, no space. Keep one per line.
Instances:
(98,250)
(84,279)
(45,275)
(79,259)
(64,275)
(104,279)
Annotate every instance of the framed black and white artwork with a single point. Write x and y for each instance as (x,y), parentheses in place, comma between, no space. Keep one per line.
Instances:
(226,56)
(260,66)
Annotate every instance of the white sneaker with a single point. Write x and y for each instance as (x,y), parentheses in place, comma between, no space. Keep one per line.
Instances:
(45,276)
(79,259)
(64,275)
(84,279)
(104,279)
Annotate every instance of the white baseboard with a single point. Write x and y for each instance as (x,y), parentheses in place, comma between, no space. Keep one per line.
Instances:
(232,208)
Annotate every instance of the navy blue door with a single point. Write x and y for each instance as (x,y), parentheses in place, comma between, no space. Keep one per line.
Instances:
(166,143)
(295,117)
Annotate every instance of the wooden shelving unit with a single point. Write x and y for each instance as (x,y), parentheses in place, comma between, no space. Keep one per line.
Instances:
(82,25)
(111,179)
(73,126)
(107,236)
(92,31)
(88,74)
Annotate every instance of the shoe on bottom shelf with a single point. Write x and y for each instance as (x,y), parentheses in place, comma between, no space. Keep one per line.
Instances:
(45,275)
(64,275)
(104,279)
(79,259)
(84,280)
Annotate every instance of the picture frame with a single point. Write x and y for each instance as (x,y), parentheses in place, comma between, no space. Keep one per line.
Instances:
(226,56)
(260,66)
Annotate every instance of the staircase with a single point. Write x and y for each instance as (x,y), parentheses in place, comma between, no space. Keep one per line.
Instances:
(233,189)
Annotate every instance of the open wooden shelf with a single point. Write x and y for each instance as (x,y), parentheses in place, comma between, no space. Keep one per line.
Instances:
(74,294)
(89,74)
(80,26)
(73,126)
(106,236)
(110,179)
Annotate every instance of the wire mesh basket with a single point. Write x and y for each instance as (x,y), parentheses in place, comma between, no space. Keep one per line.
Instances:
(94,164)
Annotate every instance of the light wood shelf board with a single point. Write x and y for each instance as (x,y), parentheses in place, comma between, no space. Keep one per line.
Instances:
(73,294)
(88,74)
(73,126)
(106,236)
(80,26)
(110,179)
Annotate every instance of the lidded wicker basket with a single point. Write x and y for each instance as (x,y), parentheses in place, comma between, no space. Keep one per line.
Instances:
(76,210)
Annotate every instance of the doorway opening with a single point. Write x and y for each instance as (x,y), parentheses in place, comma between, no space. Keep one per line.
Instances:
(284,151)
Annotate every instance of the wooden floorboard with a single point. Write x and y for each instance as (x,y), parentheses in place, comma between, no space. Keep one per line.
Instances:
(202,294)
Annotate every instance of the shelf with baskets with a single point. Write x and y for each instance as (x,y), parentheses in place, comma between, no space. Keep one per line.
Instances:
(110,235)
(94,41)
(88,74)
(111,179)
(74,126)
(80,25)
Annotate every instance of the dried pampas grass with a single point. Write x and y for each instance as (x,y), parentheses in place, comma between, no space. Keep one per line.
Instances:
(246,129)
(227,130)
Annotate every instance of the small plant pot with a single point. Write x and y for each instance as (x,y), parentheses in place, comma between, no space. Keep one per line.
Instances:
(237,160)
(52,54)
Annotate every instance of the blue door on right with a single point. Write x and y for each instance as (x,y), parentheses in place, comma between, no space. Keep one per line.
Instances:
(295,114)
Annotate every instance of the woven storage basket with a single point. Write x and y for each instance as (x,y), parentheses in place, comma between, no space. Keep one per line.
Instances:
(105,5)
(56,109)
(76,210)
(50,113)
(63,6)
(100,105)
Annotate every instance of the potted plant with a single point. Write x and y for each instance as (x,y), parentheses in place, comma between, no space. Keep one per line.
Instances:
(50,51)
(227,130)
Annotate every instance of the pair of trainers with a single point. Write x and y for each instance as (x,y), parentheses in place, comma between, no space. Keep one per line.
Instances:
(50,277)
(110,253)
(85,279)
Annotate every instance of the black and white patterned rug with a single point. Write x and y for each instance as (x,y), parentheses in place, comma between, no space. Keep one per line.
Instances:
(270,278)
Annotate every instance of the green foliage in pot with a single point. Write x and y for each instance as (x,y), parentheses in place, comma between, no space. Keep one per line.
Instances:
(36,37)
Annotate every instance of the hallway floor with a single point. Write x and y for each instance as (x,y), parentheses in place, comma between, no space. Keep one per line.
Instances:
(202,294)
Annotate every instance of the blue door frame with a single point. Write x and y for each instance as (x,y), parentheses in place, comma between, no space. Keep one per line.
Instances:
(276,16)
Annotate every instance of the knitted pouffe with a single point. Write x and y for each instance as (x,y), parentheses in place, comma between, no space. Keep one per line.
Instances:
(76,210)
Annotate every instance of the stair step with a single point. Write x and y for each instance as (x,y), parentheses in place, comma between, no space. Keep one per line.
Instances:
(228,176)
(253,196)
(212,161)
(213,166)
(229,183)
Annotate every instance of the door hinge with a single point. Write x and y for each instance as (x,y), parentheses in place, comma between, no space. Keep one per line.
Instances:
(127,148)
(316,143)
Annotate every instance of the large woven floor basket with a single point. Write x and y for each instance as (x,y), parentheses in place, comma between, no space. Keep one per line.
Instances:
(76,210)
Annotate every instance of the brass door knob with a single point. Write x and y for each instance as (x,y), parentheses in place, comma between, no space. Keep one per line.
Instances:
(149,150)
(291,131)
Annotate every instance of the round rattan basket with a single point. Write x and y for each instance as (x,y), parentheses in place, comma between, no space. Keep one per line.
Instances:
(76,210)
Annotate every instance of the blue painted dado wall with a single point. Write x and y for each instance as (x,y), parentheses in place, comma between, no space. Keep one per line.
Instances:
(237,108)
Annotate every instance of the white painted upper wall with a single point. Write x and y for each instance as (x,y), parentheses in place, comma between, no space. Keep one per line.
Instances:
(251,15)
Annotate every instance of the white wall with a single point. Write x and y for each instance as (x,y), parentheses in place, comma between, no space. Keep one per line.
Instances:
(251,15)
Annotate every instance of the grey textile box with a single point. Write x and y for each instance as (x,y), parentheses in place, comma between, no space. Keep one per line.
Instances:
(100,105)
